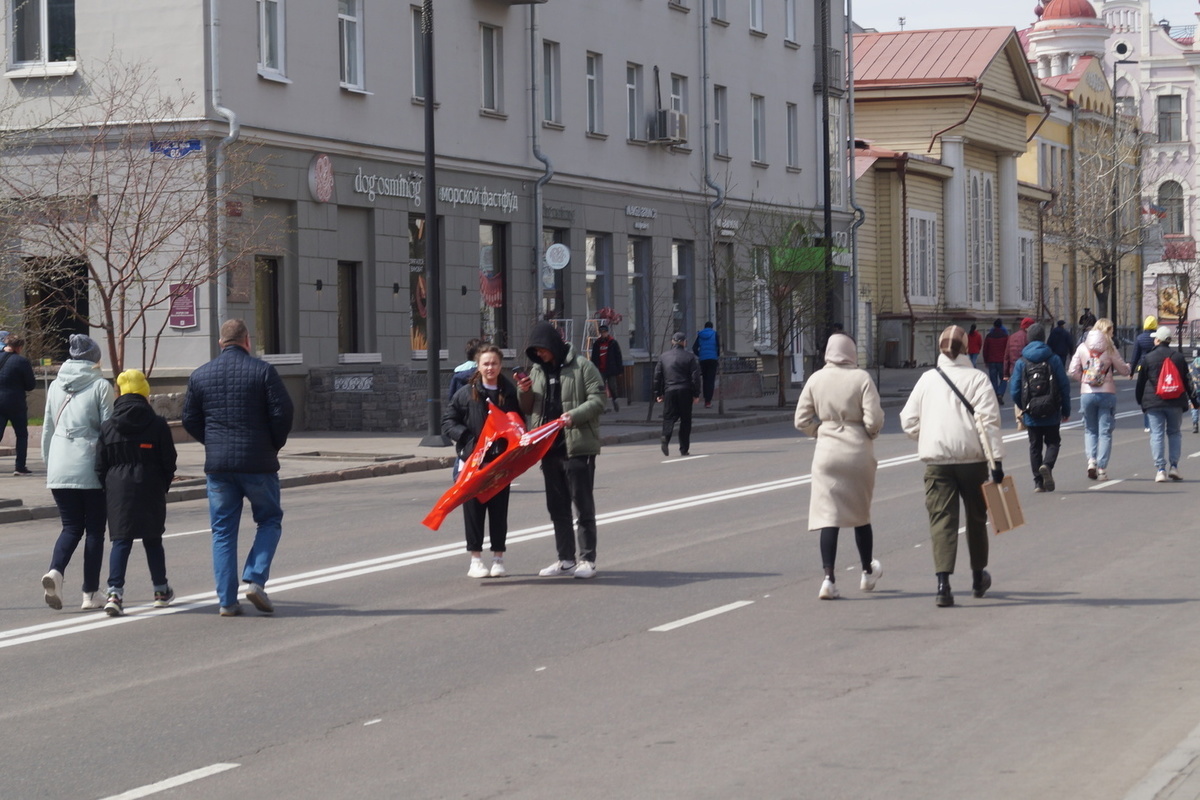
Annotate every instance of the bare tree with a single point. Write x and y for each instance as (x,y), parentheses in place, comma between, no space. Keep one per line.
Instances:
(113,209)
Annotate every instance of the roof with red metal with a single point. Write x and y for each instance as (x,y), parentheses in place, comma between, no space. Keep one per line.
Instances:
(944,56)
(1069,9)
(1067,81)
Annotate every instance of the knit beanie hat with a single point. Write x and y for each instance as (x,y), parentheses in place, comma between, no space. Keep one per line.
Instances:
(1025,323)
(1150,324)
(133,381)
(1036,332)
(84,348)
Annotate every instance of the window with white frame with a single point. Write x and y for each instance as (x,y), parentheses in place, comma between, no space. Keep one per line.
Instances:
(792,115)
(41,31)
(758,123)
(418,53)
(492,60)
(922,257)
(635,124)
(760,298)
(1026,252)
(350,37)
(551,82)
(756,15)
(789,20)
(720,121)
(981,238)
(1170,205)
(718,9)
(595,93)
(679,93)
(270,37)
(1170,118)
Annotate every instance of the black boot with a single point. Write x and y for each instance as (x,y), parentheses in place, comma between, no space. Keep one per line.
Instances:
(615,408)
(981,583)
(944,598)
(666,440)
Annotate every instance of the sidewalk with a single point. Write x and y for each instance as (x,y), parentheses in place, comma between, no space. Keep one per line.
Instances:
(312,457)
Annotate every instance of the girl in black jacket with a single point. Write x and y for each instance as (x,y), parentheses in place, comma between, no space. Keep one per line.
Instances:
(462,423)
(135,459)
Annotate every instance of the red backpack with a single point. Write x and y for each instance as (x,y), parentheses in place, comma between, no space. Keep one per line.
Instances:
(1170,382)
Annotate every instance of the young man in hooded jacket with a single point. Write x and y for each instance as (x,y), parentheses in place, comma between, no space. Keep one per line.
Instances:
(564,385)
(1044,436)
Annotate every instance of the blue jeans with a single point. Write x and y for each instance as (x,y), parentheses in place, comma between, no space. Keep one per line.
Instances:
(996,373)
(82,511)
(1164,424)
(1099,411)
(226,491)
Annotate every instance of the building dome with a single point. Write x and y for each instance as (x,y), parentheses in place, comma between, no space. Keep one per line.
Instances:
(1068,9)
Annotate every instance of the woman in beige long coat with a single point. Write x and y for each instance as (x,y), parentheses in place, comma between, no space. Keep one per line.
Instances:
(840,407)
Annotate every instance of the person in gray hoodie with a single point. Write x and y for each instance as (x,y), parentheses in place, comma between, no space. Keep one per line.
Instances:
(77,404)
(1041,390)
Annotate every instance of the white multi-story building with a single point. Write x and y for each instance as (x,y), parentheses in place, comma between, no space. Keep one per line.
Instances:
(644,135)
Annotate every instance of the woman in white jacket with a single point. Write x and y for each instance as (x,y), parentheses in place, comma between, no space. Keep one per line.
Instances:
(77,403)
(956,466)
(1094,364)
(840,407)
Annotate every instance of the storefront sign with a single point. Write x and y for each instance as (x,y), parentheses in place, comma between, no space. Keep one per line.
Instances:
(641,211)
(506,201)
(183,306)
(407,186)
(558,255)
(320,178)
(354,383)
(558,212)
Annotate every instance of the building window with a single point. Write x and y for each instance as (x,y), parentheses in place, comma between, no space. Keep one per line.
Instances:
(635,125)
(683,257)
(922,257)
(493,271)
(679,93)
(555,282)
(720,116)
(1026,251)
(760,298)
(756,15)
(597,273)
(789,20)
(349,306)
(758,108)
(638,262)
(270,36)
(837,154)
(1170,118)
(1170,200)
(56,302)
(981,239)
(42,31)
(718,10)
(492,59)
(551,83)
(418,54)
(793,136)
(350,33)
(595,93)
(266,305)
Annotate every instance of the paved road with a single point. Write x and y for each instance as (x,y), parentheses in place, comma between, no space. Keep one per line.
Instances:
(388,673)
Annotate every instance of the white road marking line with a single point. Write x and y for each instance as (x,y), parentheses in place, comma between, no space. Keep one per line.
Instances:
(171,783)
(1167,769)
(186,533)
(1113,482)
(372,722)
(681,459)
(679,623)
(1194,455)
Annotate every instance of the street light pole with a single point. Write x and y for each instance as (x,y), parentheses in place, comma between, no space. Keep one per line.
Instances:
(433,271)
(1110,279)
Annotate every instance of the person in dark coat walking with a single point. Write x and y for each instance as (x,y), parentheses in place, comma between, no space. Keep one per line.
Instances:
(16,380)
(239,409)
(135,460)
(606,355)
(1045,437)
(994,346)
(1059,341)
(462,423)
(677,387)
(707,348)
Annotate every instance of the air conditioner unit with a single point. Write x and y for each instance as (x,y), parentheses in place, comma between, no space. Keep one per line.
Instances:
(670,126)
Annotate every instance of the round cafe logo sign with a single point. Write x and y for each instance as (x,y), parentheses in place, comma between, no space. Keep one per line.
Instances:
(320,178)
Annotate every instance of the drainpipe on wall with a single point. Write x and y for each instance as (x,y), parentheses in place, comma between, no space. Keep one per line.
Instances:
(963,121)
(860,216)
(545,177)
(220,157)
(902,173)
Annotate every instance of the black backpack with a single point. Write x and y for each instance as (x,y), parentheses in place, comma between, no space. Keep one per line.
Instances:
(1040,392)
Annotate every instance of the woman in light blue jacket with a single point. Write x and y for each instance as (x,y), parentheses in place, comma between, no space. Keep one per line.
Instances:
(77,403)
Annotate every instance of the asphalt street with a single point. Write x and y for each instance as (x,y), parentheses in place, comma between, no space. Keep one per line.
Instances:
(697,664)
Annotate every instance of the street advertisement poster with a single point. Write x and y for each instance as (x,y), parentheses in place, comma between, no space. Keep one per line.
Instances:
(183,306)
(417,297)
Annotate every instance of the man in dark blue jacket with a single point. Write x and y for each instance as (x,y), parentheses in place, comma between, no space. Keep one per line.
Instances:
(708,349)
(238,408)
(677,386)
(16,379)
(1044,412)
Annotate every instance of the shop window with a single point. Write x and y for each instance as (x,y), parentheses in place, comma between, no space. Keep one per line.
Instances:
(493,274)
(555,283)
(597,272)
(266,305)
(638,263)
(682,268)
(349,305)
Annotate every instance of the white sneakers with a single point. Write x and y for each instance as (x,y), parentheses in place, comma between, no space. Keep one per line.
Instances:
(1101,474)
(869,578)
(829,590)
(1092,471)
(567,569)
(478,570)
(94,599)
(52,583)
(498,570)
(1161,476)
(585,569)
(1174,475)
